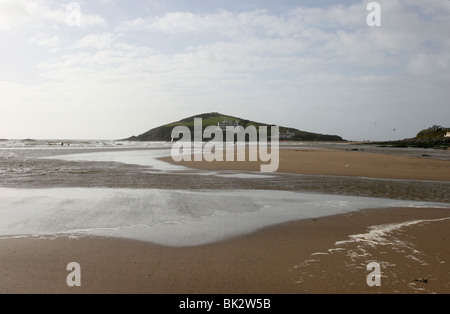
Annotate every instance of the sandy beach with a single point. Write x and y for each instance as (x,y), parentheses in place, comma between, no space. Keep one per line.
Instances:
(318,255)
(296,257)
(192,148)
(341,163)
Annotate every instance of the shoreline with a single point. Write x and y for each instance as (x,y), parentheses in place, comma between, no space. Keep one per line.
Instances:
(338,163)
(328,254)
(301,256)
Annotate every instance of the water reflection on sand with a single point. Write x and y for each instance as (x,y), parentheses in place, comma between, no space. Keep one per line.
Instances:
(126,191)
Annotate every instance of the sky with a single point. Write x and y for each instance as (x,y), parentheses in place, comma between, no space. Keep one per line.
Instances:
(110,69)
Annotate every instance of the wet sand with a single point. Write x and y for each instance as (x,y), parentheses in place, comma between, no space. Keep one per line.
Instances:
(306,256)
(23,168)
(341,163)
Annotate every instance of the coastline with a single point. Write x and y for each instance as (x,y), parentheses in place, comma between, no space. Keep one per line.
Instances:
(296,257)
(312,255)
(339,163)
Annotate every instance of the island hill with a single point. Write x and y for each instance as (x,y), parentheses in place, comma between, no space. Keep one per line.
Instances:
(436,137)
(164,132)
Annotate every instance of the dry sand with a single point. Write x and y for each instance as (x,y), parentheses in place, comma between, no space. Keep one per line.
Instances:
(297,257)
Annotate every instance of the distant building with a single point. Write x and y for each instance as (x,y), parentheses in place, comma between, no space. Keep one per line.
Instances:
(286,135)
(447,134)
(228,123)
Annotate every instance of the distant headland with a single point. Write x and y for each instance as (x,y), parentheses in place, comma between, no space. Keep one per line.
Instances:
(163,133)
(437,137)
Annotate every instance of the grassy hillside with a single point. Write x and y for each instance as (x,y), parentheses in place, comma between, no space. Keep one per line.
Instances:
(207,120)
(433,133)
(433,137)
(163,133)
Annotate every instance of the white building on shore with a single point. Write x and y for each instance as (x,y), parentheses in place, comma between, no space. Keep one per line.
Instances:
(287,135)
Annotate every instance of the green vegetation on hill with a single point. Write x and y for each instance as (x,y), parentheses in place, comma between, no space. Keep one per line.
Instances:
(207,120)
(433,137)
(163,133)
(435,132)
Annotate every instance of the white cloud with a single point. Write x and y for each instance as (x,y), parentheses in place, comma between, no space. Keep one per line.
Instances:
(430,64)
(310,68)
(18,14)
(224,23)
(44,40)
(96,41)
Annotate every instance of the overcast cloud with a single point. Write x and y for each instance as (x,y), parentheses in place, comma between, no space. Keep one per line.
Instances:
(129,66)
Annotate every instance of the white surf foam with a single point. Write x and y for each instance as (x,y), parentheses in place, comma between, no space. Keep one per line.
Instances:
(378,235)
